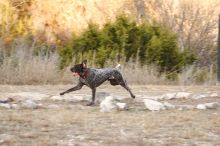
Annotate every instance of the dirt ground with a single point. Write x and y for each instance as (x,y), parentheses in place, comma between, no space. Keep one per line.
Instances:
(71,123)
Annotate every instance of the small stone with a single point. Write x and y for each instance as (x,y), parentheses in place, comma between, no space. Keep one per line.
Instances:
(122,106)
(169,105)
(153,105)
(185,107)
(6,138)
(201,107)
(212,105)
(214,95)
(108,104)
(30,104)
(57,98)
(199,96)
(53,106)
(14,106)
(168,96)
(183,95)
(5,105)
(176,95)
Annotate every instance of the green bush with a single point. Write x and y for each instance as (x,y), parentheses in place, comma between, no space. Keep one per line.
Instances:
(163,50)
(152,44)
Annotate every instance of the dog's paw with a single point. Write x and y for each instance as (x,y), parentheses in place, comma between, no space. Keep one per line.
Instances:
(90,104)
(62,93)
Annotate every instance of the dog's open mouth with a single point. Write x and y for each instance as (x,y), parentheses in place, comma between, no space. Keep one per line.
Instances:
(75,74)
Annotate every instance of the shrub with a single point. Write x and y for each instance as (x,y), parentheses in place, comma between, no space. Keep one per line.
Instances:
(151,44)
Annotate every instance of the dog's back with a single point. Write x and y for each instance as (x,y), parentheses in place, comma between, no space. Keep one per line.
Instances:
(98,76)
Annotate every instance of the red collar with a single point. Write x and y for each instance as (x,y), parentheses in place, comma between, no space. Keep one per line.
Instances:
(85,73)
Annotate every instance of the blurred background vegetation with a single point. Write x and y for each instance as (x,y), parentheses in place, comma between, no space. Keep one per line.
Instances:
(157,42)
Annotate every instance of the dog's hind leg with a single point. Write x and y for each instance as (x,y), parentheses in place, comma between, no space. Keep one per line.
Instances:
(113,82)
(124,84)
(118,80)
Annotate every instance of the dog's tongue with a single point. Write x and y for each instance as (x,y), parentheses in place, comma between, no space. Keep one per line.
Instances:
(75,74)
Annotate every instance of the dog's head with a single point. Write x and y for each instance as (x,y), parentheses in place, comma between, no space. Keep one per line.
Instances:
(79,69)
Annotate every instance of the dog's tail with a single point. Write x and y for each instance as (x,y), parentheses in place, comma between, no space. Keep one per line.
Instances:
(118,66)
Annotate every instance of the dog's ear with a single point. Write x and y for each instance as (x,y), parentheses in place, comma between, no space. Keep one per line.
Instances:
(84,63)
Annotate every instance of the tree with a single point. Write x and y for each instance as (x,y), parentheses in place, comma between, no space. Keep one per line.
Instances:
(152,44)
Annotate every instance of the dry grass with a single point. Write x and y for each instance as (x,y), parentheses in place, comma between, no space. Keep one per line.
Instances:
(136,74)
(72,123)
(24,68)
(90,127)
(27,69)
(197,76)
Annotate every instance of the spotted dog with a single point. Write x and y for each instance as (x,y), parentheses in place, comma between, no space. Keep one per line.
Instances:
(95,77)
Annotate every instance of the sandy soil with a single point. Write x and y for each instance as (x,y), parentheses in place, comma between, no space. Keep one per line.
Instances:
(71,123)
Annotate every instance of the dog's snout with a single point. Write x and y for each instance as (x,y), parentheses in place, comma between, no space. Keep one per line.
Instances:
(72,69)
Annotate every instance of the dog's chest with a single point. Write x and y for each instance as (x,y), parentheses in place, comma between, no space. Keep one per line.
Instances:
(84,81)
(88,82)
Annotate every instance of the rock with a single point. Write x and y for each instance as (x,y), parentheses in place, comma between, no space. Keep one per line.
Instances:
(214,95)
(211,105)
(176,95)
(57,97)
(185,107)
(199,96)
(168,96)
(8,100)
(53,106)
(169,105)
(183,95)
(5,105)
(153,105)
(108,104)
(205,95)
(122,106)
(14,106)
(9,106)
(201,107)
(6,139)
(29,104)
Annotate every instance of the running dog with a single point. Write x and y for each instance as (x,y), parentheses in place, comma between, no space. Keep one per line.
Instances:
(95,77)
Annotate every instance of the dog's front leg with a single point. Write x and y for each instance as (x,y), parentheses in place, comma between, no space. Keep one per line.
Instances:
(77,87)
(93,97)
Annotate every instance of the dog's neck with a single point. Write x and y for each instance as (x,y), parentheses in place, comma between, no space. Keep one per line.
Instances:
(85,73)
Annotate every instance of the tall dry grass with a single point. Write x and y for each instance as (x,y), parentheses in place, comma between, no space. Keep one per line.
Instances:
(22,67)
(25,68)
(136,74)
(192,75)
